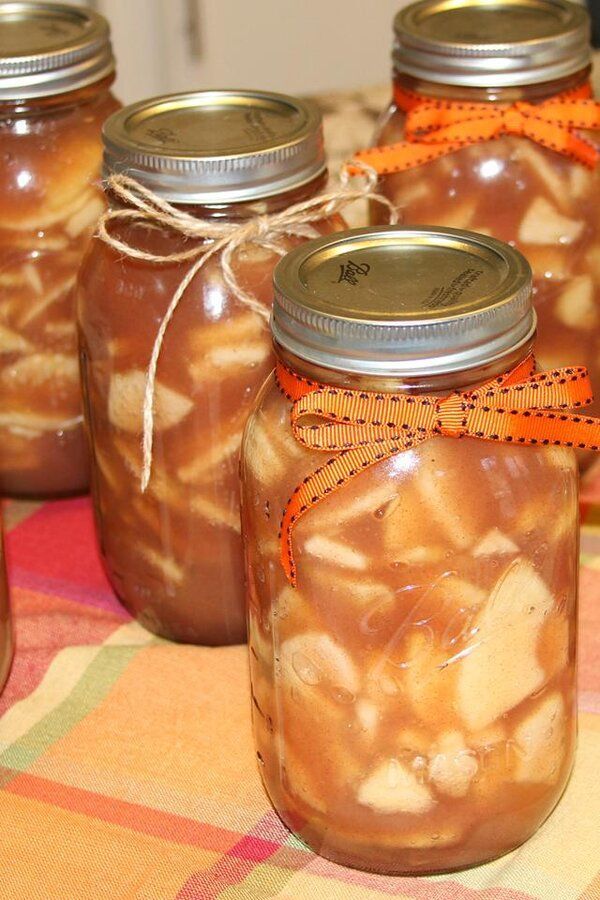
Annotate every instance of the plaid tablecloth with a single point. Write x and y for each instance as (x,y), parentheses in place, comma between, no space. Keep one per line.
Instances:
(127,768)
(126,762)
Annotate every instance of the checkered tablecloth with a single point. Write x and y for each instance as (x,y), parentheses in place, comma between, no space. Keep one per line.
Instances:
(126,762)
(127,768)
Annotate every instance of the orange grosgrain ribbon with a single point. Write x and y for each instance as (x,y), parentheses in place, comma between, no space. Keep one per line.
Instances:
(366,427)
(435,128)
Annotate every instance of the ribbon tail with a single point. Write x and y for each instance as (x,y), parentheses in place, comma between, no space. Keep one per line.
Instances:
(400,157)
(560,389)
(583,151)
(571,114)
(536,428)
(325,480)
(560,429)
(562,140)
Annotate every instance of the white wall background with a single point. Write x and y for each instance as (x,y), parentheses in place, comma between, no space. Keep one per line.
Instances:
(294,46)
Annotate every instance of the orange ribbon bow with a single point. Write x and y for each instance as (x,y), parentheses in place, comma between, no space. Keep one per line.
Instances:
(435,128)
(367,427)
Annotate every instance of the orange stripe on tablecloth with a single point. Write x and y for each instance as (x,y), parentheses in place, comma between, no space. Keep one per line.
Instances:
(145,820)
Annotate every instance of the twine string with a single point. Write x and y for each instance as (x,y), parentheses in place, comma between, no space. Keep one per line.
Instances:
(211,238)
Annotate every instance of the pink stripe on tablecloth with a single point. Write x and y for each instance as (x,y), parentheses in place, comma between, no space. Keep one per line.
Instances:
(59,541)
(54,551)
(101,598)
(237,865)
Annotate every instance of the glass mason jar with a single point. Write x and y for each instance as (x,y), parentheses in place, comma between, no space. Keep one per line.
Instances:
(6,636)
(534,198)
(174,553)
(414,694)
(56,68)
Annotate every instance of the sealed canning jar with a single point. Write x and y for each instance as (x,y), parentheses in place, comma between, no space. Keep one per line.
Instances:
(56,68)
(413,676)
(486,99)
(229,163)
(6,638)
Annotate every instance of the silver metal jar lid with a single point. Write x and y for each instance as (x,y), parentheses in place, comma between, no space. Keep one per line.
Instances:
(216,146)
(492,43)
(400,302)
(51,48)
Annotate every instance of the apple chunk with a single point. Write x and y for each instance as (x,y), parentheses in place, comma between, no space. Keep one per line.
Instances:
(393,787)
(544,224)
(502,668)
(126,400)
(540,742)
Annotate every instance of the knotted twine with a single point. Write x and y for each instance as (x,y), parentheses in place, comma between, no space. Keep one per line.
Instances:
(213,237)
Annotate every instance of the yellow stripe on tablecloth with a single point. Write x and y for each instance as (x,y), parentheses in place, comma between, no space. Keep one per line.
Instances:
(130,635)
(304,884)
(63,674)
(591,561)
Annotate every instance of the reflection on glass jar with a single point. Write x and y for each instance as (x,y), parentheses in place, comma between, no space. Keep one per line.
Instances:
(50,201)
(511,187)
(6,635)
(414,694)
(174,552)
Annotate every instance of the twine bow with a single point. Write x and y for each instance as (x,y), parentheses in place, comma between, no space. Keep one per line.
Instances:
(209,238)
(365,427)
(434,128)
